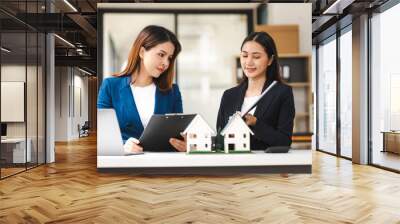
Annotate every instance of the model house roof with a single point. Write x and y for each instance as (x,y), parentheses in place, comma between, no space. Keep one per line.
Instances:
(198,124)
(235,124)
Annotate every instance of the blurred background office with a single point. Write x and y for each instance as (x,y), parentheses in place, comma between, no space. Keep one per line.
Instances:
(211,36)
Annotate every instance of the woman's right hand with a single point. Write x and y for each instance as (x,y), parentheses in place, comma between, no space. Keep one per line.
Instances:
(132,146)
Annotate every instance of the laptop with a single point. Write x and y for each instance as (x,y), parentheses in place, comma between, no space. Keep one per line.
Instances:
(109,138)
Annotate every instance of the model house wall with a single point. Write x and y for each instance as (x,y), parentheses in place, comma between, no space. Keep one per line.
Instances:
(198,135)
(236,135)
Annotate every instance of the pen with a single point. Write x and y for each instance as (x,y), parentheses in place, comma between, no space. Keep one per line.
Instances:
(262,94)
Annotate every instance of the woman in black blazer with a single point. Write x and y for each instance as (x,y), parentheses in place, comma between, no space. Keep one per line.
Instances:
(272,119)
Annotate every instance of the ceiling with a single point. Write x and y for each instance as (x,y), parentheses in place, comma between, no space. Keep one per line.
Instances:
(76,21)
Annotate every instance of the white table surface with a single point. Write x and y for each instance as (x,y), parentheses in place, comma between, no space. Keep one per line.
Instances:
(13,140)
(294,157)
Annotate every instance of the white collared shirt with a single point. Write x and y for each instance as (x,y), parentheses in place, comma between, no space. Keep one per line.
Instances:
(248,102)
(145,101)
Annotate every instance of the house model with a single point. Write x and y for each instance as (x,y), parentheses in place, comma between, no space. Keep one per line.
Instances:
(236,135)
(198,134)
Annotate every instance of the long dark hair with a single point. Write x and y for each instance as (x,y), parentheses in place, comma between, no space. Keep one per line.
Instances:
(265,40)
(148,38)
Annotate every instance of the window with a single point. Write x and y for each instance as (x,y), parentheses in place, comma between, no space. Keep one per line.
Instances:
(385,85)
(210,43)
(327,96)
(231,135)
(346,93)
(22,65)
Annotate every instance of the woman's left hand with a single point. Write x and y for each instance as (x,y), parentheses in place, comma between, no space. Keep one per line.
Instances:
(179,144)
(250,120)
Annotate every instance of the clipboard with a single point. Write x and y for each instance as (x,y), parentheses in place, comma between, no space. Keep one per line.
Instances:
(156,135)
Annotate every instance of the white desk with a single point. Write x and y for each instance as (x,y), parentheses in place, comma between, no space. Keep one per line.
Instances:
(296,161)
(18,149)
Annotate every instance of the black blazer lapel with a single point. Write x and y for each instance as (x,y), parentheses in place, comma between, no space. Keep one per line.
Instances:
(263,104)
(241,94)
(266,101)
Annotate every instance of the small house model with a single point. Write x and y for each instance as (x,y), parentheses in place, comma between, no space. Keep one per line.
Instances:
(236,135)
(198,135)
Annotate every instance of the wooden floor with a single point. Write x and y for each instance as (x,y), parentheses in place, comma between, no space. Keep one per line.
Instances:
(72,191)
(5,172)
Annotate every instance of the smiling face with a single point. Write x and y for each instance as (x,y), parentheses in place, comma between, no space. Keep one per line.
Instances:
(157,59)
(254,60)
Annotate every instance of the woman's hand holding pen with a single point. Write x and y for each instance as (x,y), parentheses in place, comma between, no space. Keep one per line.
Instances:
(250,120)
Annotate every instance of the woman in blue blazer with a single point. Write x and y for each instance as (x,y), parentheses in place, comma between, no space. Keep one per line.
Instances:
(145,86)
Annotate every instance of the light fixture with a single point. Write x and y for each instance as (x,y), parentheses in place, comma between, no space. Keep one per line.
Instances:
(70,5)
(64,40)
(337,7)
(84,71)
(80,51)
(5,50)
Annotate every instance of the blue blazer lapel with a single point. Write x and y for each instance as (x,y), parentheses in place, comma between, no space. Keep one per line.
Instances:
(158,100)
(131,113)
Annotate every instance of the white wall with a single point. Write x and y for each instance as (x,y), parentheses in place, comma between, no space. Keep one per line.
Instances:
(80,84)
(17,73)
(69,82)
(293,13)
(14,73)
(60,106)
(33,126)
